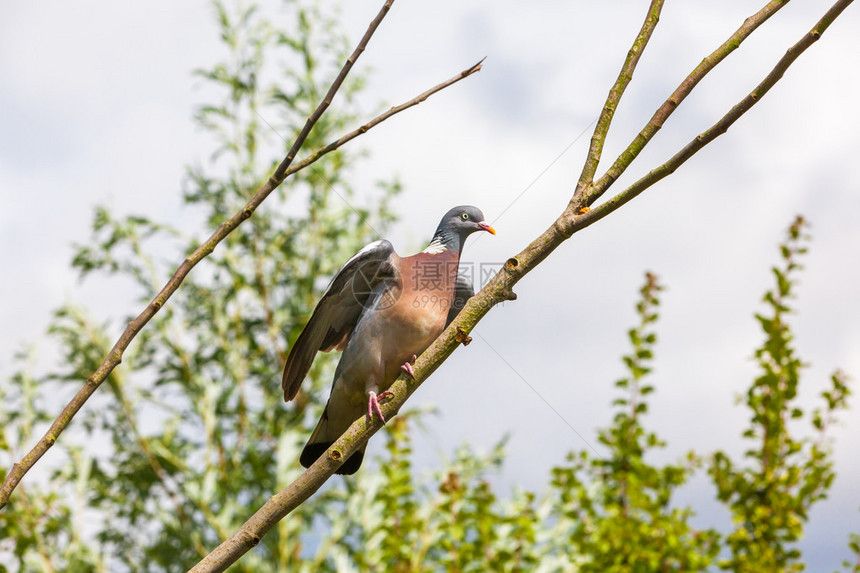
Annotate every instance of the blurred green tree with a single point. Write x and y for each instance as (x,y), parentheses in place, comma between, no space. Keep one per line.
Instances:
(618,508)
(192,434)
(771,491)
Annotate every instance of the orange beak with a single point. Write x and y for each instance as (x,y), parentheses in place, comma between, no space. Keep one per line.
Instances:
(487,228)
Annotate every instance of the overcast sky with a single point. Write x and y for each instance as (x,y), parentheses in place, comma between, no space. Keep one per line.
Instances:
(96,101)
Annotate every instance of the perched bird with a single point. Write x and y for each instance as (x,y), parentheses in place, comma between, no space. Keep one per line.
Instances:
(381,310)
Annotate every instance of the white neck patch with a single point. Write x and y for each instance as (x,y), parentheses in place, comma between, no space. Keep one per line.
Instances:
(436,246)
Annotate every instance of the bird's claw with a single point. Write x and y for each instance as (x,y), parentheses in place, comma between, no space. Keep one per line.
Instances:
(373,404)
(407,367)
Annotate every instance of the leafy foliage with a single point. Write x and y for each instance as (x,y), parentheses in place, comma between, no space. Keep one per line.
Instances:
(453,523)
(619,507)
(854,545)
(770,495)
(190,434)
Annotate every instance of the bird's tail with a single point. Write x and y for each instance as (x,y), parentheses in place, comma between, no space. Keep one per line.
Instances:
(321,439)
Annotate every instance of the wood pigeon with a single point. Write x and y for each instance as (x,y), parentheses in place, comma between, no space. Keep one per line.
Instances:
(381,310)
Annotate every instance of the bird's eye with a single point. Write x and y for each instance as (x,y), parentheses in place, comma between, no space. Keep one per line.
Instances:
(465,216)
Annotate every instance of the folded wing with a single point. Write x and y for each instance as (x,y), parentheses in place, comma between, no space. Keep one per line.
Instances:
(340,308)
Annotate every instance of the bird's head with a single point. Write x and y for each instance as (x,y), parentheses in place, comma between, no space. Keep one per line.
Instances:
(455,226)
(465,220)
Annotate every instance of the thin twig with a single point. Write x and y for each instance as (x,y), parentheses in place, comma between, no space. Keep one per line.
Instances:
(680,93)
(721,126)
(608,112)
(135,326)
(498,289)
(383,116)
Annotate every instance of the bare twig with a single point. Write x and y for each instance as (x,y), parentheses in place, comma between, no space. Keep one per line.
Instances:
(608,112)
(134,327)
(674,100)
(383,116)
(498,289)
(719,127)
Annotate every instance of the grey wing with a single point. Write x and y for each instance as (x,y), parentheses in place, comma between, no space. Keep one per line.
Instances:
(463,291)
(339,309)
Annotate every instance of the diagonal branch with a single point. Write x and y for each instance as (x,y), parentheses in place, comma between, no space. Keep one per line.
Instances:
(606,114)
(382,117)
(680,93)
(284,170)
(721,126)
(497,290)
(281,172)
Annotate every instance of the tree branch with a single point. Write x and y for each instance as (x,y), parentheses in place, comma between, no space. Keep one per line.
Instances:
(284,170)
(601,129)
(680,93)
(382,117)
(721,126)
(497,290)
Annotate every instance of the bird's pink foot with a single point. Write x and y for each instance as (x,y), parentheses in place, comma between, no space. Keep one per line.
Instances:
(407,367)
(373,404)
